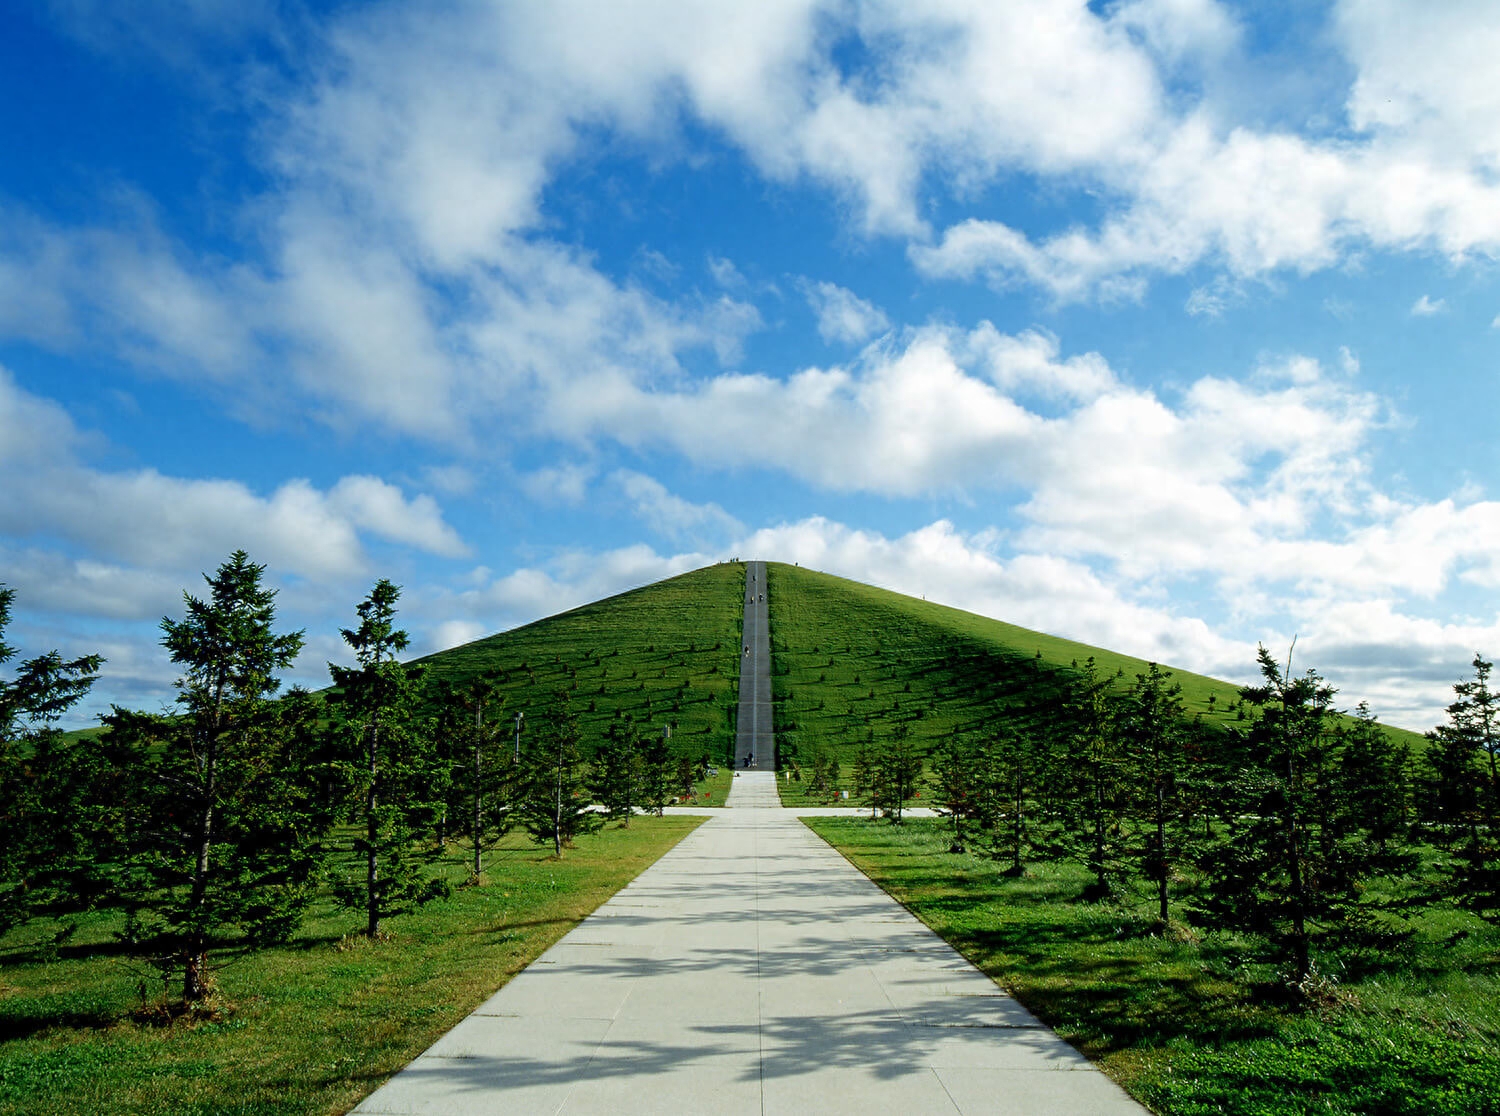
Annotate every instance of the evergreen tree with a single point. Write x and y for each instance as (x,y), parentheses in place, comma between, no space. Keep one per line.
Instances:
(387,763)
(686,777)
(656,772)
(897,770)
(962,792)
(481,773)
(1467,791)
(55,794)
(1374,780)
(1290,866)
(867,784)
(1154,733)
(555,806)
(225,834)
(1094,787)
(619,771)
(1013,769)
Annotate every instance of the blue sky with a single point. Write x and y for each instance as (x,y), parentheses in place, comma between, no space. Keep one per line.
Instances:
(1169,325)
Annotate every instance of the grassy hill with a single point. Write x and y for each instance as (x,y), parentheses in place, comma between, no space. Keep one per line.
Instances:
(851,662)
(663,654)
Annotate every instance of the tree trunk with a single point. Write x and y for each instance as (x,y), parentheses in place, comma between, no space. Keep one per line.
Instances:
(1301,956)
(478,803)
(1098,865)
(1161,851)
(372,832)
(1017,826)
(557,807)
(195,963)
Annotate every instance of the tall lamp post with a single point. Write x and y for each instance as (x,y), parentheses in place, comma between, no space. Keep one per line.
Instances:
(519,718)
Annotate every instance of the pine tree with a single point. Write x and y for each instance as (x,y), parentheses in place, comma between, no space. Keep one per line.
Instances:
(555,806)
(962,792)
(55,795)
(897,770)
(1013,770)
(619,771)
(1374,780)
(1154,734)
(1468,790)
(1289,866)
(867,784)
(226,835)
(481,776)
(1093,779)
(656,772)
(388,764)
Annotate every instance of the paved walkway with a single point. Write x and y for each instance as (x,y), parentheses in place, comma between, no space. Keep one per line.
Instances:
(751,970)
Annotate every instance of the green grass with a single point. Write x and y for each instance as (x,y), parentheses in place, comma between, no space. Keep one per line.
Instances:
(1188,1024)
(850,660)
(663,654)
(315,1025)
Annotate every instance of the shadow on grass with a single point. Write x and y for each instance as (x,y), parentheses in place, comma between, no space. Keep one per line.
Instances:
(22,1025)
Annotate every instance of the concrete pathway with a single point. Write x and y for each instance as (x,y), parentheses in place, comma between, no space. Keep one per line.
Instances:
(751,970)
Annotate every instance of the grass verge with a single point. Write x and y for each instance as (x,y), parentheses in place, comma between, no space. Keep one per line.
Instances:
(1191,1025)
(308,1028)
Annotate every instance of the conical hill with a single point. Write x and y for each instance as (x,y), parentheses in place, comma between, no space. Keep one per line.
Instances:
(851,663)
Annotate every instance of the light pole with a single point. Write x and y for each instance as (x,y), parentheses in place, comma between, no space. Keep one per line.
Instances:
(519,717)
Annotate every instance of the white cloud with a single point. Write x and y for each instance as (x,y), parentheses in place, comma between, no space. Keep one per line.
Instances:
(161,523)
(1426,307)
(371,504)
(725,273)
(1177,29)
(842,315)
(452,633)
(670,515)
(558,484)
(413,164)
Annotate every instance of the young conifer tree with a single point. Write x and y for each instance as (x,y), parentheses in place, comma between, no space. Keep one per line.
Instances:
(1374,780)
(53,791)
(656,772)
(555,806)
(962,791)
(388,763)
(619,771)
(1468,786)
(898,771)
(1013,764)
(1155,737)
(1093,779)
(481,780)
(1288,866)
(226,835)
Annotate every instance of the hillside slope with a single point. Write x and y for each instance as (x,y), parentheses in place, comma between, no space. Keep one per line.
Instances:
(852,662)
(663,654)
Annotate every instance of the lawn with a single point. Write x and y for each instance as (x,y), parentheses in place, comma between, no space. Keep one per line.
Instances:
(1189,1023)
(308,1028)
(851,662)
